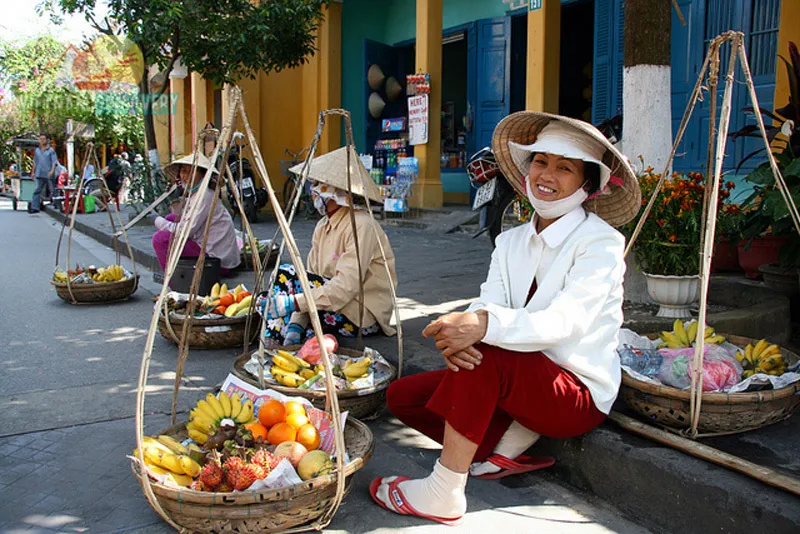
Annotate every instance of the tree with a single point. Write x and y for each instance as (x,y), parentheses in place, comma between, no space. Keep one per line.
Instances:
(224,40)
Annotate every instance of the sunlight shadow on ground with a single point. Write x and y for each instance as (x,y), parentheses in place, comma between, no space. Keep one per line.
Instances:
(550,512)
(412,309)
(51,521)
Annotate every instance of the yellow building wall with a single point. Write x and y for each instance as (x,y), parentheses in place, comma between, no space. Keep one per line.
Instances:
(789,30)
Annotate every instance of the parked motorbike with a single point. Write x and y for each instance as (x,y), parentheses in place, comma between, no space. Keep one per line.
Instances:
(253,198)
(496,197)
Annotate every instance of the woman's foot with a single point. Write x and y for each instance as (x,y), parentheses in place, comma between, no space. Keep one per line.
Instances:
(439,497)
(516,440)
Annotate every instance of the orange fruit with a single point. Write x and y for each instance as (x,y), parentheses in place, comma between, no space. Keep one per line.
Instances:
(296,420)
(280,433)
(258,430)
(271,413)
(295,407)
(308,436)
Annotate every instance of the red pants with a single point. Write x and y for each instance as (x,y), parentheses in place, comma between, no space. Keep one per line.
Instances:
(481,404)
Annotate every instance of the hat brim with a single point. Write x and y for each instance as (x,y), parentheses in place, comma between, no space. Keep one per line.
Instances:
(172,170)
(621,199)
(331,169)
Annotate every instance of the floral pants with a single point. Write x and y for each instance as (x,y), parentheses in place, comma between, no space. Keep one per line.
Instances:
(287,283)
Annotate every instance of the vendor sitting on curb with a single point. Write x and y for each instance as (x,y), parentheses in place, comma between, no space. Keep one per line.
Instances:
(332,263)
(221,236)
(535,354)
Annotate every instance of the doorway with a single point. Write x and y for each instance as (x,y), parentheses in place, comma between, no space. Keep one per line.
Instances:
(577,52)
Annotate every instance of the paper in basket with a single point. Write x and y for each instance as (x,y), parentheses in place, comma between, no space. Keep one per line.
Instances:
(319,418)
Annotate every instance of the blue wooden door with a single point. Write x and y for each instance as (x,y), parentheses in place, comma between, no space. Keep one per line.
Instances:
(387,58)
(609,16)
(493,83)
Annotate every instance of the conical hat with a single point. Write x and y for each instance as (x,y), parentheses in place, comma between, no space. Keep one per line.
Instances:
(203,162)
(331,169)
(393,88)
(617,205)
(376,105)
(375,76)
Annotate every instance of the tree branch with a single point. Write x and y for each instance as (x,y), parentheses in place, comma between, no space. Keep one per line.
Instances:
(170,66)
(106,30)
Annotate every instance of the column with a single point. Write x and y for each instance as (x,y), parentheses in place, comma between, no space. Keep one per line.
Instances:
(428,190)
(789,30)
(330,74)
(199,105)
(544,55)
(177,116)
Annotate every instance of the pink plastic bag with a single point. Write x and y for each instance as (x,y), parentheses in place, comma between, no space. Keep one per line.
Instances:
(720,371)
(310,350)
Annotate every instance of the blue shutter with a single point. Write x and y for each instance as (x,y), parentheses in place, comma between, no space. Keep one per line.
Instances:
(618,59)
(602,78)
(493,81)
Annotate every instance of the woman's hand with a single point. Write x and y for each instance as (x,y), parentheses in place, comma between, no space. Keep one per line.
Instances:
(467,359)
(277,306)
(455,332)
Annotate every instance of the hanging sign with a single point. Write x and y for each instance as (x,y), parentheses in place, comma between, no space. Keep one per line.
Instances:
(536,4)
(418,119)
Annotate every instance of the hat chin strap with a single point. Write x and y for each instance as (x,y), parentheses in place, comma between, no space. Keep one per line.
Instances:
(553,209)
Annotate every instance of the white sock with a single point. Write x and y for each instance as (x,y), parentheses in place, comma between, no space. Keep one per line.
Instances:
(514,442)
(440,494)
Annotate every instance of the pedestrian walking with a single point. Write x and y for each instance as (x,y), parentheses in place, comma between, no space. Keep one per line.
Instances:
(44,171)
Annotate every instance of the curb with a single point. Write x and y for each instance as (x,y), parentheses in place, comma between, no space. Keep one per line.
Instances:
(146,258)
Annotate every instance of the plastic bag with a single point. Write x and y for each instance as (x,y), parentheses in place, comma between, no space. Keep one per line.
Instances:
(720,370)
(310,350)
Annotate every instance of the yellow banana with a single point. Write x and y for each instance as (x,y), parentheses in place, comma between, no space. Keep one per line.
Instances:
(202,424)
(223,290)
(715,339)
(691,331)
(231,310)
(198,436)
(282,362)
(238,289)
(213,401)
(156,469)
(680,332)
(748,351)
(301,363)
(152,455)
(189,466)
(246,413)
(747,374)
(708,332)
(214,291)
(236,405)
(173,444)
(181,480)
(759,348)
(770,363)
(226,403)
(285,377)
(307,373)
(171,462)
(671,340)
(770,351)
(357,369)
(739,356)
(206,409)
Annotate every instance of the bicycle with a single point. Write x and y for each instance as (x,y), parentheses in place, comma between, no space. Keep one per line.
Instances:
(306,204)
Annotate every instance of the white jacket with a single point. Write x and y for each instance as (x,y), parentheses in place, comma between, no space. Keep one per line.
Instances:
(576,313)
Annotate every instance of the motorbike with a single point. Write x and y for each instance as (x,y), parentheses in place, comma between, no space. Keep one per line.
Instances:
(253,198)
(495,197)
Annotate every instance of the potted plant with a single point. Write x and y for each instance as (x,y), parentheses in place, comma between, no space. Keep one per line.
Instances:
(768,231)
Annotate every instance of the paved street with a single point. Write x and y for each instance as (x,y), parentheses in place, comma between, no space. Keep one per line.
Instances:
(68,379)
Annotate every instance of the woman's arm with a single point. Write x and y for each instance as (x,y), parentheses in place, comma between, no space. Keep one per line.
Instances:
(595,273)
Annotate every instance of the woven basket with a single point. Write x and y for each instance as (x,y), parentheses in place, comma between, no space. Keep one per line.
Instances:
(103,292)
(268,257)
(208,333)
(365,403)
(721,413)
(268,510)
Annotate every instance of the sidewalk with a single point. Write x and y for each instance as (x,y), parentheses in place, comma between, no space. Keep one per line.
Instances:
(657,487)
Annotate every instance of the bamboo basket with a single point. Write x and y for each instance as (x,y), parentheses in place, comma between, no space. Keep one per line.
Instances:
(722,413)
(365,403)
(104,292)
(268,257)
(268,510)
(221,333)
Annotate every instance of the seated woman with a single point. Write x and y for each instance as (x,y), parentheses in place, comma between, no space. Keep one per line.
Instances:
(221,236)
(536,353)
(333,264)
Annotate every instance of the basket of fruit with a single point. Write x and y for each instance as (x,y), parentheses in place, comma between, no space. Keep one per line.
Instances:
(93,284)
(722,412)
(267,253)
(219,320)
(237,466)
(361,377)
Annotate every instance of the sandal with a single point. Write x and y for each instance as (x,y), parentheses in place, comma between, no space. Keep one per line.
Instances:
(402,507)
(520,464)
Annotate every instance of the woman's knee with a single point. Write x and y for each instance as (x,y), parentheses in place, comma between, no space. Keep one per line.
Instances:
(411,391)
(161,238)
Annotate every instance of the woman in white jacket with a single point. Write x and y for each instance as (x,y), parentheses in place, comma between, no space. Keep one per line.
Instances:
(535,354)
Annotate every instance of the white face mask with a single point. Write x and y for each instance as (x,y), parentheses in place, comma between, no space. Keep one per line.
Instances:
(321,205)
(553,209)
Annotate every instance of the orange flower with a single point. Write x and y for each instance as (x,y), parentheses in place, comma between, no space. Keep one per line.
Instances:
(673,238)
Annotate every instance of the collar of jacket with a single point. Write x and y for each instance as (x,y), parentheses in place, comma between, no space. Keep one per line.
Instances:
(557,232)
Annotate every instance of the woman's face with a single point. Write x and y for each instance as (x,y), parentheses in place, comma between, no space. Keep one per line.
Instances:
(186,176)
(555,177)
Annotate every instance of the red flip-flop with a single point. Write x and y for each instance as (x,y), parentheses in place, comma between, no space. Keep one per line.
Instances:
(520,464)
(402,507)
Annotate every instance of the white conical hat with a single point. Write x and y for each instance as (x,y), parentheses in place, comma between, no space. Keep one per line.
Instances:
(331,169)
(202,162)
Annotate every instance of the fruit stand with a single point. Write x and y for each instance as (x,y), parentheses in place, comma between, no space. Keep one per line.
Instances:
(247,459)
(22,186)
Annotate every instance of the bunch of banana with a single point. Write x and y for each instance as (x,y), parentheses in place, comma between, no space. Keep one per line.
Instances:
(682,337)
(355,369)
(205,418)
(112,273)
(164,455)
(289,370)
(218,290)
(761,358)
(60,276)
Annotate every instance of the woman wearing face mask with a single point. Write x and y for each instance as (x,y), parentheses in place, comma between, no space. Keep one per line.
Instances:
(535,354)
(333,263)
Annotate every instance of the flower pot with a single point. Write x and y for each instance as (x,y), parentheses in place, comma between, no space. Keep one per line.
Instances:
(673,294)
(760,251)
(726,256)
(781,279)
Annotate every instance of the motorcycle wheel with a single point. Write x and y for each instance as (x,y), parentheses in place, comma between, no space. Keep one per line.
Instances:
(504,217)
(250,210)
